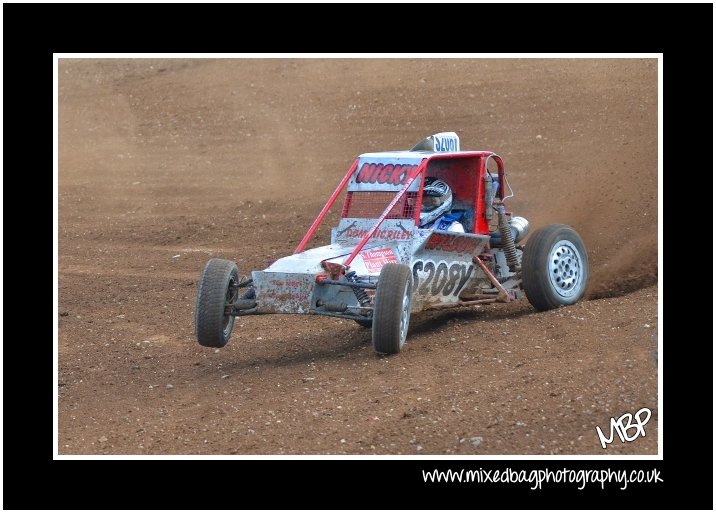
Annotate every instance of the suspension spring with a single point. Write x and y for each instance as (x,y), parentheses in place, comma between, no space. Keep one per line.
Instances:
(508,241)
(361,294)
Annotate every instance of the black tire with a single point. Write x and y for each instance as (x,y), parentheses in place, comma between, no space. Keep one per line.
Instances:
(217,287)
(365,323)
(555,267)
(391,314)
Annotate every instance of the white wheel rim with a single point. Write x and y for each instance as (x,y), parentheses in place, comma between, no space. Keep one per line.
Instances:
(565,269)
(405,314)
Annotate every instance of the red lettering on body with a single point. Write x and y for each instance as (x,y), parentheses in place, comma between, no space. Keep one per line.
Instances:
(452,243)
(391,174)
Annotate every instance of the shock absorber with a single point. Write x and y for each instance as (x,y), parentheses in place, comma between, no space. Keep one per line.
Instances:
(361,294)
(508,241)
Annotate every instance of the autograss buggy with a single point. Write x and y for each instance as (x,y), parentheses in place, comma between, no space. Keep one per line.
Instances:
(381,266)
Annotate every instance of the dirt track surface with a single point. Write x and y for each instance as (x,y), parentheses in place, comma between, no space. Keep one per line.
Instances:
(167,163)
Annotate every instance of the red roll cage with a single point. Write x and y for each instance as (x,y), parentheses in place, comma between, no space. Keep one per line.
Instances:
(478,204)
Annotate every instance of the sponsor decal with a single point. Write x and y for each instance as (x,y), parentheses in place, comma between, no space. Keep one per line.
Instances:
(285,290)
(379,234)
(452,243)
(440,278)
(389,174)
(286,283)
(375,259)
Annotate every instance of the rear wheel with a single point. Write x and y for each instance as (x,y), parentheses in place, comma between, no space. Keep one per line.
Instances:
(218,290)
(555,267)
(391,314)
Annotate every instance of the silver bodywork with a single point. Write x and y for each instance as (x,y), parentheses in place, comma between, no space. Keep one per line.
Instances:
(441,262)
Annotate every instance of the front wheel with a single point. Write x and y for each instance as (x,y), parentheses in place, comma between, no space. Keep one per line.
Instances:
(555,267)
(391,314)
(217,292)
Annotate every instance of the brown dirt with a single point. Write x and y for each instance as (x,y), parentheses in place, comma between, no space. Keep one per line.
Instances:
(164,163)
